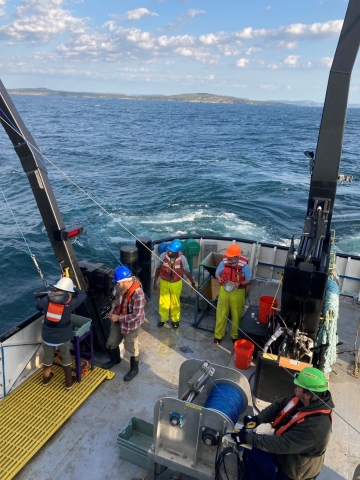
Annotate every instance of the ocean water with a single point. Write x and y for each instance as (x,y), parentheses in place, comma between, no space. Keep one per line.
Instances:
(161,169)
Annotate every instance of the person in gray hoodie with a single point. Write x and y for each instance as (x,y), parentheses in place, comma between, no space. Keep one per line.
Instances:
(302,428)
(57,307)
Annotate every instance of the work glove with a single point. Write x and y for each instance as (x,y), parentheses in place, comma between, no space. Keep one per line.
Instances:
(251,421)
(239,436)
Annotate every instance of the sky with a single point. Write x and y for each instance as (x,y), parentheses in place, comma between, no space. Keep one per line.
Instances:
(255,49)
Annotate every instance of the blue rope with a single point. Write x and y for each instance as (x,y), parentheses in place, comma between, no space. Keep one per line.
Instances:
(225,399)
(11,123)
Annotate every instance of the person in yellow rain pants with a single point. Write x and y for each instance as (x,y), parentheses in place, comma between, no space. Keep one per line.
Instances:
(233,268)
(171,268)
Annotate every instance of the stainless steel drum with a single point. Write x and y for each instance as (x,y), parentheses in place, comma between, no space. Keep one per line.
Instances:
(229,286)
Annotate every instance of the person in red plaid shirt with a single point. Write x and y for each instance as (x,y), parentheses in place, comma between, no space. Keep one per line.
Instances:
(126,316)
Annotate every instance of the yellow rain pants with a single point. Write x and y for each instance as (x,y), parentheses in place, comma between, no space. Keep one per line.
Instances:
(169,300)
(229,303)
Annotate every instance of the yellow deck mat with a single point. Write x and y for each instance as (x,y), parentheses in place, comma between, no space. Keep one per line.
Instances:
(31,414)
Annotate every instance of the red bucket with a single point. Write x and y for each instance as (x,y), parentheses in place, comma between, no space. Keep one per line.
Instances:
(243,351)
(267,306)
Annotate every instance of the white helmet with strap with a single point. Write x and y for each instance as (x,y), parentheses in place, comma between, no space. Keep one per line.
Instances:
(66,284)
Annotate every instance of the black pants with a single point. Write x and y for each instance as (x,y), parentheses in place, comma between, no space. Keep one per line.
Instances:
(260,465)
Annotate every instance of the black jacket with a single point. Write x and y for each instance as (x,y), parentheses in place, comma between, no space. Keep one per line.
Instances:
(60,332)
(301,449)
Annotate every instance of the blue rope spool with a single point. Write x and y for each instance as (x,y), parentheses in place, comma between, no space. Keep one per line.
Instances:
(227,400)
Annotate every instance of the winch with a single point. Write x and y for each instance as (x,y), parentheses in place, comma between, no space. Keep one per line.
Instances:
(189,431)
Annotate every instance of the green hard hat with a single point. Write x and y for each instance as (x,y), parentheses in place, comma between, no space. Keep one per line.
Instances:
(311,379)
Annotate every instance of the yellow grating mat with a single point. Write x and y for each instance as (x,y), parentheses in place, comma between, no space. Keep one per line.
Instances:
(33,413)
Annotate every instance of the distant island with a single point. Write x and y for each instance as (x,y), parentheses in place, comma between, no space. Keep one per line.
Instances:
(184,97)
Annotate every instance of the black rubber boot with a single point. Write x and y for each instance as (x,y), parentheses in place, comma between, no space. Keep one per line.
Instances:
(114,354)
(48,375)
(70,380)
(134,369)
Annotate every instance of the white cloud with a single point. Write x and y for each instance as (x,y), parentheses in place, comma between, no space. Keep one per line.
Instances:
(41,21)
(287,45)
(179,22)
(139,13)
(324,30)
(209,39)
(242,62)
(2,9)
(325,62)
(229,50)
(329,29)
(165,41)
(291,60)
(252,50)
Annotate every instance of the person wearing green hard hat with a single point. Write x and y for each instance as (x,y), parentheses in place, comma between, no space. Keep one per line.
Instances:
(302,428)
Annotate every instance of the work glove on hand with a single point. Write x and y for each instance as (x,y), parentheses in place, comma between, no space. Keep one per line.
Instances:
(251,421)
(239,436)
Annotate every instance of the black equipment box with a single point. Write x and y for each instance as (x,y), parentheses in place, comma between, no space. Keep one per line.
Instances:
(273,381)
(255,330)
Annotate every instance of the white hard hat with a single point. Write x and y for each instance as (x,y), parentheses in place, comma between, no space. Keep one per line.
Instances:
(65,284)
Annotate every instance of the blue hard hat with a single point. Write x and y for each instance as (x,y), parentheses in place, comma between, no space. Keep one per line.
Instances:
(175,246)
(120,273)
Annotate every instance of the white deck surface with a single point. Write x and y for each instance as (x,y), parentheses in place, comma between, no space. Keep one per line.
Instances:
(86,446)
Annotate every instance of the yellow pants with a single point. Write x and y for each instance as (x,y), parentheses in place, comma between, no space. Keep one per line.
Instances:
(229,303)
(169,300)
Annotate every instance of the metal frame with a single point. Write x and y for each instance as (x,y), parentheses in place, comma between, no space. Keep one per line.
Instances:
(180,447)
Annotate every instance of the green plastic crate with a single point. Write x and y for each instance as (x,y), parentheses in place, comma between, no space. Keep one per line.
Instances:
(134,441)
(79,325)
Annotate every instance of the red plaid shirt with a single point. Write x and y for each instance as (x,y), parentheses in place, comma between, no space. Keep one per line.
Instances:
(132,321)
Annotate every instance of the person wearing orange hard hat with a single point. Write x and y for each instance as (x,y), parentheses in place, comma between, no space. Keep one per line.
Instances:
(235,271)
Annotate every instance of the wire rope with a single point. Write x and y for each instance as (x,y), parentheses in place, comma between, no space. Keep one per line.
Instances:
(32,256)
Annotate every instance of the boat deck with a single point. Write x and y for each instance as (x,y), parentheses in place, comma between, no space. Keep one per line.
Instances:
(86,445)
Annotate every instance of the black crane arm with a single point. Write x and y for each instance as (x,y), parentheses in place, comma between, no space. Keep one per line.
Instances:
(306,272)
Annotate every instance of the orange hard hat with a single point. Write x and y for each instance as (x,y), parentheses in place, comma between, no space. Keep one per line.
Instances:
(233,251)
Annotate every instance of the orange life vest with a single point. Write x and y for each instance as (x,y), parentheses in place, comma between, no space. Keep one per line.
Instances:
(167,269)
(55,311)
(234,272)
(299,417)
(126,305)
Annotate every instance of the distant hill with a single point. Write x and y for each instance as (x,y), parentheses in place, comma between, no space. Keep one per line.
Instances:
(185,97)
